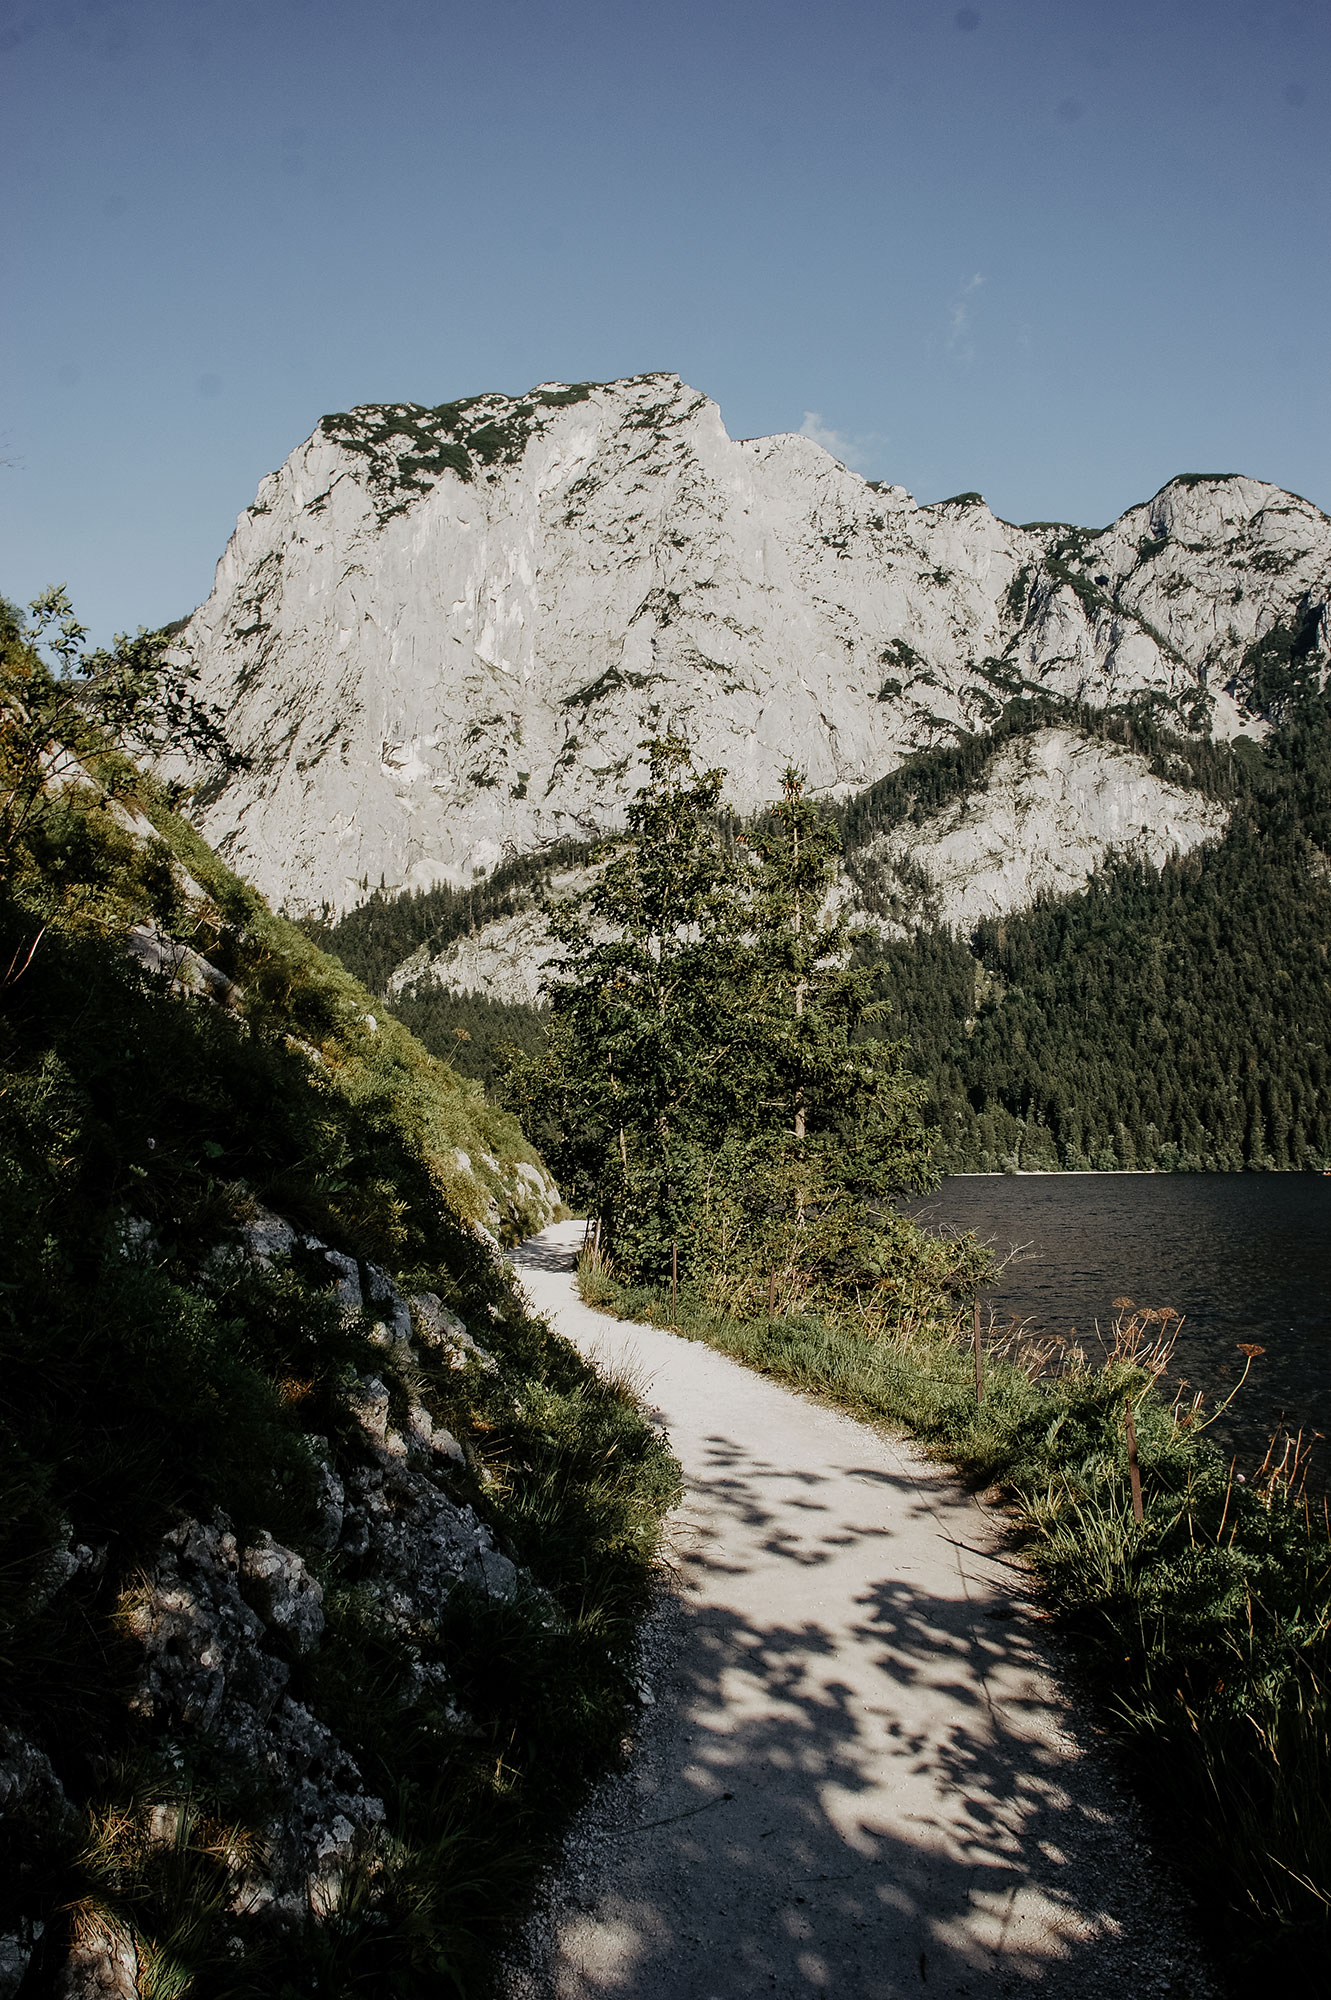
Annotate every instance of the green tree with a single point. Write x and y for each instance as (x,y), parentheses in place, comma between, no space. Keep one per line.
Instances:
(59,714)
(826,1130)
(640,1070)
(708,1083)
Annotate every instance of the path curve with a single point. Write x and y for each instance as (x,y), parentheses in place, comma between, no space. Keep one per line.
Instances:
(858,1776)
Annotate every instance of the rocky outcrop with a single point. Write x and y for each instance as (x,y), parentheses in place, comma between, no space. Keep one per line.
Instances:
(441,635)
(221,1625)
(1053,807)
(505,960)
(213,1672)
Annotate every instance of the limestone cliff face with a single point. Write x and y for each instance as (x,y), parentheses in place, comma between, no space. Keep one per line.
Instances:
(440,635)
(1052,808)
(1048,811)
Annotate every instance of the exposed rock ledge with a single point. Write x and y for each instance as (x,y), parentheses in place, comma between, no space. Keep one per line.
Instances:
(1054,808)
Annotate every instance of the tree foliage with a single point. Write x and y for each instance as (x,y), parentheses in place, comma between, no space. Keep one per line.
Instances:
(136,698)
(703,1088)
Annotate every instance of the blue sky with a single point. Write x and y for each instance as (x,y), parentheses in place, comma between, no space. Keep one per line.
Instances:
(1051,250)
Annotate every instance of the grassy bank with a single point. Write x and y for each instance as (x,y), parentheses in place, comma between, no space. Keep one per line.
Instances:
(1204,1631)
(158,1376)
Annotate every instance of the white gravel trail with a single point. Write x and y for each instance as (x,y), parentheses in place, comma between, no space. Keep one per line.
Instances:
(858,1775)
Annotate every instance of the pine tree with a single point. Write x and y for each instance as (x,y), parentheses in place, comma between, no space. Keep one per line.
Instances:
(842,1094)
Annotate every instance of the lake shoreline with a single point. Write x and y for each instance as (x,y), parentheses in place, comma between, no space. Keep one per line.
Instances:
(1243,1257)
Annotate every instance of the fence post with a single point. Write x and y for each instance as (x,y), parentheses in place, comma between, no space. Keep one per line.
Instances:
(979,1357)
(674,1280)
(1134,1468)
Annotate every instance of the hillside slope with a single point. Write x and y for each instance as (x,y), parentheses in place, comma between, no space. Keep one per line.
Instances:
(321,1558)
(441,634)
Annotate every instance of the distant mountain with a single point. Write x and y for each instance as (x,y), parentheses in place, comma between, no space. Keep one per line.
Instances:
(440,636)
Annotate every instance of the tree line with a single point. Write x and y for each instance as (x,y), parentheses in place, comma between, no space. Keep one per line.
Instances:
(1176,1018)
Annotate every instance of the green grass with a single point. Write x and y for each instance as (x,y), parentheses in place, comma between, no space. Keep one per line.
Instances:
(1204,1633)
(143,1386)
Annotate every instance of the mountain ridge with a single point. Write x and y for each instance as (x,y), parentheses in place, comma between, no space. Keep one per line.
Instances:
(441,634)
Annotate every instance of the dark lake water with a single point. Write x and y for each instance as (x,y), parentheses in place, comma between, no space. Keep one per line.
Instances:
(1244,1257)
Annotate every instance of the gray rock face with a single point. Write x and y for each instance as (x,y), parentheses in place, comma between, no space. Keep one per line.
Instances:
(207,1670)
(443,1329)
(1052,808)
(505,960)
(14,1956)
(31,1795)
(288,1597)
(103,1964)
(441,635)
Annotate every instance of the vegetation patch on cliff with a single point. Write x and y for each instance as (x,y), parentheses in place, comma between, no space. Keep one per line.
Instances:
(409,446)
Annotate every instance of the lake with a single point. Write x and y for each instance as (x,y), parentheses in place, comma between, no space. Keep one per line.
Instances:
(1244,1257)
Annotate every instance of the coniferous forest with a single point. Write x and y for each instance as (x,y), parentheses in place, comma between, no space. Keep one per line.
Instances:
(1175,1018)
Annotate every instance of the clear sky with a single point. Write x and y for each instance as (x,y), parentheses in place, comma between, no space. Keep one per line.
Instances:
(1053,250)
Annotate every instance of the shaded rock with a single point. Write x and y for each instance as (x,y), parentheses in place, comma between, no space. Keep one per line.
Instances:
(188,974)
(14,1956)
(32,1798)
(288,1596)
(330,1501)
(368,1401)
(348,1274)
(440,1328)
(102,1964)
(420,1545)
(268,1237)
(385,1295)
(206,1672)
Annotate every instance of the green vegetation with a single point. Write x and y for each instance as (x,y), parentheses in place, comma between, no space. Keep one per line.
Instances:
(1177,1018)
(1282,669)
(1205,1631)
(152,1377)
(410,446)
(705,1094)
(476,1036)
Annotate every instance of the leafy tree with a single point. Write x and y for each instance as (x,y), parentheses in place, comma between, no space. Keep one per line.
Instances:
(702,1087)
(58,713)
(826,1130)
(642,1065)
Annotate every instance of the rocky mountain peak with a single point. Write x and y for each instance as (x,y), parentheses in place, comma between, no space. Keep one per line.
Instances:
(442,632)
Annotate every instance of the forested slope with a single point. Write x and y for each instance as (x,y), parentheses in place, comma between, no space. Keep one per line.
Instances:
(1176,1018)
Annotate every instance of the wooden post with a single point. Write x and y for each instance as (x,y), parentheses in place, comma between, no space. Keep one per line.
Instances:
(979,1357)
(1134,1468)
(674,1279)
(771,1292)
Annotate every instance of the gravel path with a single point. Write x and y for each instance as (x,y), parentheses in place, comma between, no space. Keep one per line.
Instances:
(857,1775)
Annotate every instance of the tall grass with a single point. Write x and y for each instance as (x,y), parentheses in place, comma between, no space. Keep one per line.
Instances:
(144,1380)
(1203,1631)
